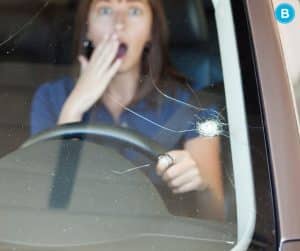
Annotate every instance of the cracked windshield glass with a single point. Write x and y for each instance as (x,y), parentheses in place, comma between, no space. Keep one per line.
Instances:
(114,131)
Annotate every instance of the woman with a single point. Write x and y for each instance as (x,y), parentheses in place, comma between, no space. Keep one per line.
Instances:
(129,69)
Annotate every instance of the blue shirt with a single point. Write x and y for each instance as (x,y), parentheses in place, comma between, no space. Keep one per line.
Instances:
(171,122)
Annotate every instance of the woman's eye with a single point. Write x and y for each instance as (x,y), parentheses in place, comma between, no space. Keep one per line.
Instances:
(135,11)
(104,11)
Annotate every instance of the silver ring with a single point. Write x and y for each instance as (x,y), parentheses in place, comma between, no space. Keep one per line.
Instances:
(167,158)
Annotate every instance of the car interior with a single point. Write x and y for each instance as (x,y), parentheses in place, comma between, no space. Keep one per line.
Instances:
(37,43)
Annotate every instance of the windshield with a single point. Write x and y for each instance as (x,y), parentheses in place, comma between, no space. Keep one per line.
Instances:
(119,127)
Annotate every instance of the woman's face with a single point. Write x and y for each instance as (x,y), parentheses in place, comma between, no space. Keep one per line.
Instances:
(131,20)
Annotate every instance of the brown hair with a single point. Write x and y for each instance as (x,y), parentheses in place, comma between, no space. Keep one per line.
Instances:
(156,68)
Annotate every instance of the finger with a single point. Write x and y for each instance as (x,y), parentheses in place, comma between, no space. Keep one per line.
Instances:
(99,49)
(83,63)
(109,54)
(165,160)
(108,75)
(114,69)
(162,166)
(185,178)
(191,186)
(107,46)
(177,170)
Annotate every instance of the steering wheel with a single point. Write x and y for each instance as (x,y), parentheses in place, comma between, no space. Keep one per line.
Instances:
(56,139)
(111,206)
(121,135)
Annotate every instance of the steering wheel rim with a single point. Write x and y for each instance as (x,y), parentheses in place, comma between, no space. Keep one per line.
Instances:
(123,135)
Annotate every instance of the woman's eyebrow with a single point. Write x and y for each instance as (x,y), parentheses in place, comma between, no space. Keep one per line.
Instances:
(130,1)
(140,1)
(98,1)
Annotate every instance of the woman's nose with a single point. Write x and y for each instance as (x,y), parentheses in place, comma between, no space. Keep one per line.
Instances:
(119,22)
(119,26)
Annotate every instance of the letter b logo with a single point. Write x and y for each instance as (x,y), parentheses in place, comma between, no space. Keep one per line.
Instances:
(285,13)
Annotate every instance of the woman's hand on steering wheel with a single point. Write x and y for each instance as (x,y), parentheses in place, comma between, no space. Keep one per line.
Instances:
(96,75)
(182,175)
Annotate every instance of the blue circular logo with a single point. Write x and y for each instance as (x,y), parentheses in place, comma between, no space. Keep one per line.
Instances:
(285,13)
